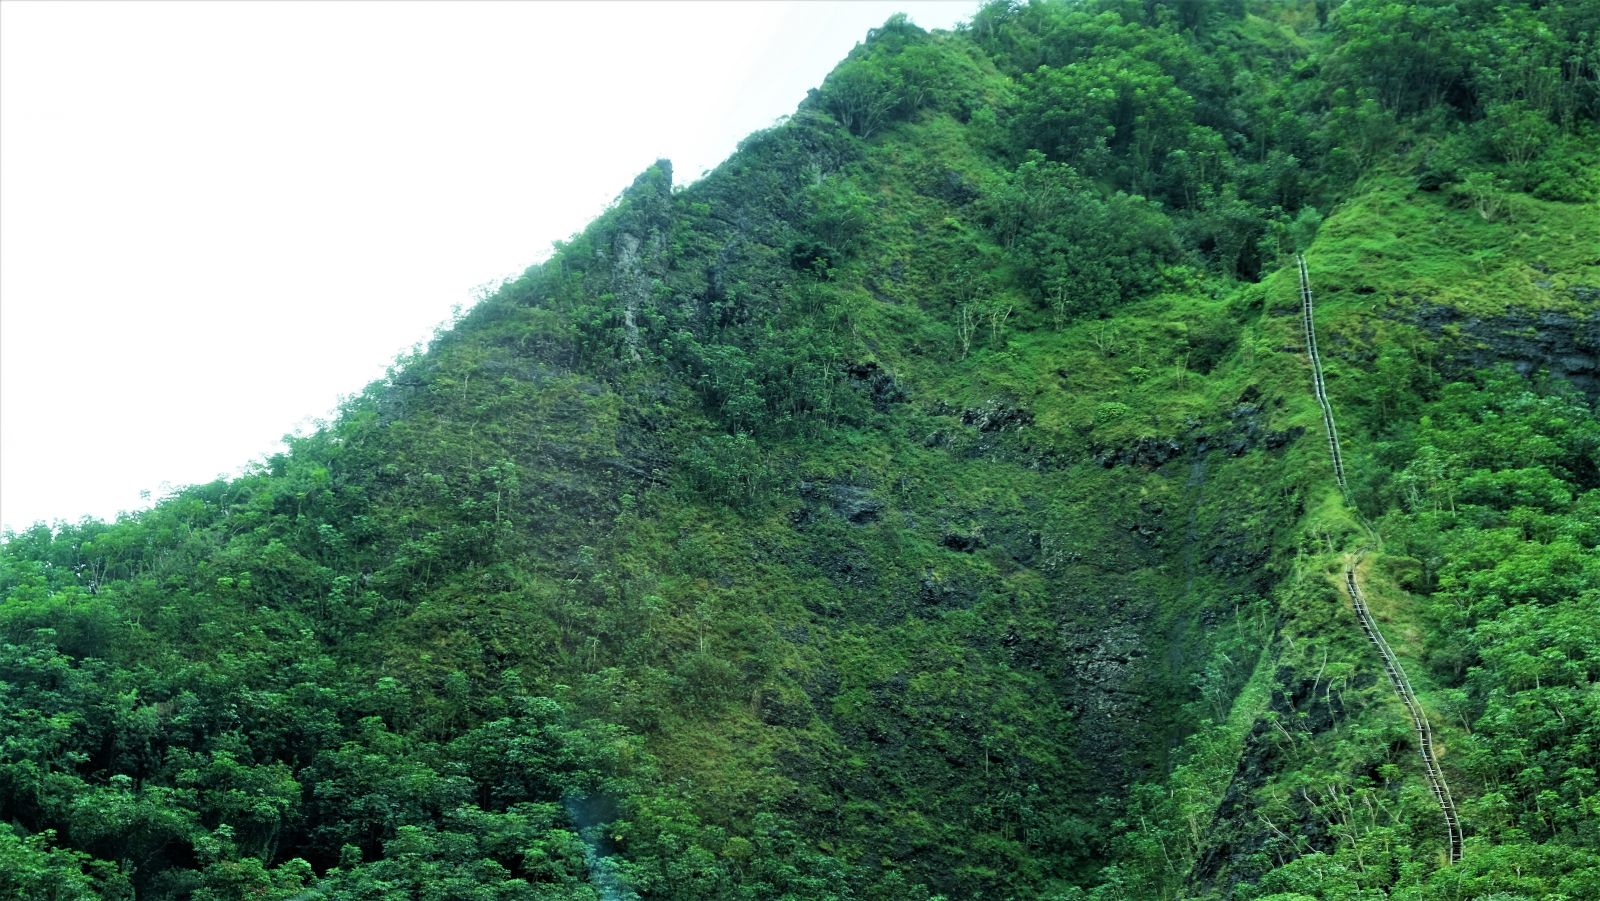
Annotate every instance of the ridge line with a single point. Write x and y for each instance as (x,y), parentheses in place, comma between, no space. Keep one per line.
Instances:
(1391,663)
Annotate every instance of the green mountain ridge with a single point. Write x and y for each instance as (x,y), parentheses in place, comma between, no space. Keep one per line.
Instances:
(929,502)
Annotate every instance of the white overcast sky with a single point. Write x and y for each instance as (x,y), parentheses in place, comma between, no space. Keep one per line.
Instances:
(218,218)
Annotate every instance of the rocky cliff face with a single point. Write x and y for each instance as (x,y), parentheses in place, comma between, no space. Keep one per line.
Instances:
(637,262)
(1561,343)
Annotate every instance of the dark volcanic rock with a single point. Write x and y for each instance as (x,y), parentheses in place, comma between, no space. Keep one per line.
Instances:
(1147,452)
(1148,527)
(1243,841)
(946,592)
(881,386)
(994,417)
(965,543)
(1281,440)
(1102,668)
(953,188)
(1244,431)
(1566,344)
(1239,555)
(853,503)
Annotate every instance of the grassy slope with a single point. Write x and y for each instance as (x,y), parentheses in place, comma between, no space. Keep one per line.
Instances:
(942,692)
(1389,254)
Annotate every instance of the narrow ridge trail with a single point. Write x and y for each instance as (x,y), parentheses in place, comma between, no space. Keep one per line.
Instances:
(1391,663)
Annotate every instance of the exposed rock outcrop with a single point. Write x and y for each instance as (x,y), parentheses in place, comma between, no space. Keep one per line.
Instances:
(637,247)
(1567,345)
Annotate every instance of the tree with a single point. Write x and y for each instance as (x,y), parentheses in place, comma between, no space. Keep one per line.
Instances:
(1517,131)
(1109,114)
(863,95)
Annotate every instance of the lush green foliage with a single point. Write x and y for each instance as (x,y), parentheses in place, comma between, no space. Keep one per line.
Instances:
(929,502)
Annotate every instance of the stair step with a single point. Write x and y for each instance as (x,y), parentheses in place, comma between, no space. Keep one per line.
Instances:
(1369,626)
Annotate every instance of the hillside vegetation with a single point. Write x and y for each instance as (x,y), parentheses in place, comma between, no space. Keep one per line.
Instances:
(930,502)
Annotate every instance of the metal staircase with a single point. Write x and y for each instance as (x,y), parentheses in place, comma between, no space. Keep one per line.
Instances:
(1391,664)
(1317,385)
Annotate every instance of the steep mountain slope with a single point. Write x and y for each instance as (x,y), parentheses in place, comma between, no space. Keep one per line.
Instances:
(932,501)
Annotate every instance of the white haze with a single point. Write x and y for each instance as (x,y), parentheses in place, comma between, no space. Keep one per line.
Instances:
(216,219)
